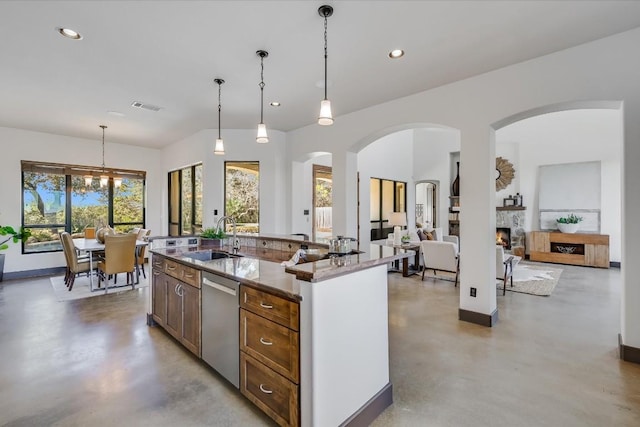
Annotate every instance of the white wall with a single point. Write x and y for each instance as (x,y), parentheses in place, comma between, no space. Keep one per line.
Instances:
(603,70)
(240,145)
(20,145)
(390,157)
(431,161)
(567,137)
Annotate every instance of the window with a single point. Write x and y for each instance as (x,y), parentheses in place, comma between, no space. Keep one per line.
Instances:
(322,202)
(242,195)
(185,200)
(56,198)
(386,196)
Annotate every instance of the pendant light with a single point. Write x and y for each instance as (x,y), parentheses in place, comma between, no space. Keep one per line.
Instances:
(104,179)
(88,180)
(219,147)
(325,118)
(262,129)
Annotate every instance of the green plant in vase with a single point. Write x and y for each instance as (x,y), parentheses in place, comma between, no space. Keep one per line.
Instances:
(569,223)
(569,219)
(212,237)
(16,236)
(9,234)
(213,233)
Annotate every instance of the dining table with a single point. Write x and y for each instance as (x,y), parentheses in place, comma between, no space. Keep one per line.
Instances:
(90,246)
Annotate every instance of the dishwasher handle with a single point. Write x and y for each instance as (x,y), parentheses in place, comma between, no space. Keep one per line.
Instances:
(219,287)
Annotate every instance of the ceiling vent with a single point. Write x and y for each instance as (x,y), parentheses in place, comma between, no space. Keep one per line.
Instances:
(138,104)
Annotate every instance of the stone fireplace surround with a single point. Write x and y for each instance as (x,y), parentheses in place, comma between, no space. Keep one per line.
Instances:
(512,217)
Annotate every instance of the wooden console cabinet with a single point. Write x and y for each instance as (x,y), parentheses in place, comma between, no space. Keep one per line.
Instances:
(591,250)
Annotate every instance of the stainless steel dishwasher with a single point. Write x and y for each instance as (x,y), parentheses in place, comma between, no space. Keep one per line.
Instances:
(221,325)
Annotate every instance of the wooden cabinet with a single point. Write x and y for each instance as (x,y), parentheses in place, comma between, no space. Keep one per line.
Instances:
(176,301)
(280,310)
(271,392)
(174,309)
(591,250)
(270,354)
(191,332)
(159,284)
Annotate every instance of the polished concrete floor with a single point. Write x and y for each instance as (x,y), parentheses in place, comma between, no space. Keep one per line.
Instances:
(550,361)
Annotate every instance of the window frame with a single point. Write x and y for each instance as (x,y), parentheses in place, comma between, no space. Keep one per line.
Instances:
(224,189)
(195,226)
(69,170)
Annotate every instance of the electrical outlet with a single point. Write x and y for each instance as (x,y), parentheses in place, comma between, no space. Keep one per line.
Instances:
(473,292)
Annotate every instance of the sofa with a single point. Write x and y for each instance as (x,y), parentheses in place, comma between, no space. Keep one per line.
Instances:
(436,233)
(439,254)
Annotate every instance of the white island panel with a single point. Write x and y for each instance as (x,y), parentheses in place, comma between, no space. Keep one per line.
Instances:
(344,345)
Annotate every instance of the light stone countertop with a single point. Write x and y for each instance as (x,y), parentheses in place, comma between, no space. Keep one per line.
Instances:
(260,273)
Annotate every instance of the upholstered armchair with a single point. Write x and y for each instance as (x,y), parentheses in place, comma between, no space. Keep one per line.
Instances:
(440,255)
(505,264)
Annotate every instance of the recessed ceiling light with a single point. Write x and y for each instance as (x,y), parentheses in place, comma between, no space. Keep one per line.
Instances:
(115,113)
(275,104)
(69,33)
(396,53)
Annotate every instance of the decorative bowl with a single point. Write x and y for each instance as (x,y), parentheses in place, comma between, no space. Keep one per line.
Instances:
(568,228)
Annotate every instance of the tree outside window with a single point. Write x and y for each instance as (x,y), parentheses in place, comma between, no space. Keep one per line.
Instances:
(242,195)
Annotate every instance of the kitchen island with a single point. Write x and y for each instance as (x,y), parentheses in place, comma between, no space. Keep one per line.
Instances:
(313,337)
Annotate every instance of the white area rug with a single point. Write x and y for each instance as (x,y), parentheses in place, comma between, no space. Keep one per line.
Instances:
(533,279)
(81,287)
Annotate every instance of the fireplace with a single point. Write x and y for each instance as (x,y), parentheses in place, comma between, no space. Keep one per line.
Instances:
(503,237)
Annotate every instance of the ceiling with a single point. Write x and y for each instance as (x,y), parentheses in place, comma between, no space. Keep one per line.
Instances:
(167,53)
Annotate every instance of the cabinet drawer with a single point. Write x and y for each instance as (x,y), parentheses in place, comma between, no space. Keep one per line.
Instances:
(158,262)
(274,345)
(272,307)
(171,268)
(271,392)
(189,275)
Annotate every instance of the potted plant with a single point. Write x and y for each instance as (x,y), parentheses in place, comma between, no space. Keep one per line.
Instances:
(212,237)
(569,223)
(7,235)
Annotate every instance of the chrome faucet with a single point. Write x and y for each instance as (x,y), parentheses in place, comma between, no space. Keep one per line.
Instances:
(236,242)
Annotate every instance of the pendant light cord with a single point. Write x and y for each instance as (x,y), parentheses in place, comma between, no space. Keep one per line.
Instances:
(261,87)
(325,56)
(219,108)
(103,128)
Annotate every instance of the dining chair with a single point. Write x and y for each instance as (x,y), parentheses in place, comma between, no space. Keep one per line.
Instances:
(75,264)
(143,234)
(89,232)
(119,257)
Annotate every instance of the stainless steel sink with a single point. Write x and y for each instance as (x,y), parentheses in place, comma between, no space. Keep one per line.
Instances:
(210,255)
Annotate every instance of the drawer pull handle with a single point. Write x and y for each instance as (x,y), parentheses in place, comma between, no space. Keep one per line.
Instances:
(156,273)
(264,390)
(189,275)
(265,342)
(263,305)
(170,267)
